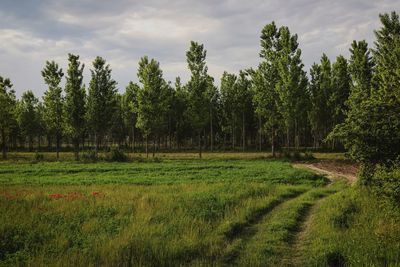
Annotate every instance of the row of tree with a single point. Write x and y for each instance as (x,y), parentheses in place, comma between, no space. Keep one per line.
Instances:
(353,102)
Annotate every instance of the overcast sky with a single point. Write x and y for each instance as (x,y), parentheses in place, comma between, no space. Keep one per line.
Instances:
(122,31)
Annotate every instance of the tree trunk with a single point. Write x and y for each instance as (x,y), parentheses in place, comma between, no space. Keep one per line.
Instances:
(154,146)
(273,142)
(147,146)
(211,132)
(58,145)
(133,139)
(259,133)
(39,139)
(96,144)
(287,138)
(3,144)
(233,135)
(200,144)
(76,148)
(243,133)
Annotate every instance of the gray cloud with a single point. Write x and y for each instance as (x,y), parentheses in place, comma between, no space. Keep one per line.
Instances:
(122,31)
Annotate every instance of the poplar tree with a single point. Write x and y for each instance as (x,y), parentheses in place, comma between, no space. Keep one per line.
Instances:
(7,112)
(229,104)
(75,98)
(197,89)
(152,96)
(265,101)
(371,131)
(130,107)
(27,116)
(341,81)
(53,102)
(101,100)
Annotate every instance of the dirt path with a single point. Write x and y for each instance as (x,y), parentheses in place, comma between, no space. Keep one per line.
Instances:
(332,170)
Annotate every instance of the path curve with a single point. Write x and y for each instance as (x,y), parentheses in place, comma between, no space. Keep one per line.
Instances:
(331,175)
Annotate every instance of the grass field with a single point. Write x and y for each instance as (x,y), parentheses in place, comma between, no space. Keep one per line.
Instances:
(178,211)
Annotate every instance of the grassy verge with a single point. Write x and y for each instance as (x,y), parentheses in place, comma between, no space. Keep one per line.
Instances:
(354,228)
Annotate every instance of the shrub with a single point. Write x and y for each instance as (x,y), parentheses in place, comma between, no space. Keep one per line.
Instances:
(117,154)
(386,182)
(90,156)
(39,156)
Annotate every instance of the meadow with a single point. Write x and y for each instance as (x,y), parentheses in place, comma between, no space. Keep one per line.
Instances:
(232,210)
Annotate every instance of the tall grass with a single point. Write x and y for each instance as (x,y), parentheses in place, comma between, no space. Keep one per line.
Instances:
(354,228)
(117,214)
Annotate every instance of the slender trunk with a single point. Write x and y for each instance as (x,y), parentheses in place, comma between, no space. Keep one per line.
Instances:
(147,146)
(200,144)
(233,135)
(58,145)
(3,144)
(154,146)
(39,139)
(76,145)
(30,143)
(259,132)
(211,131)
(287,138)
(96,144)
(243,132)
(273,142)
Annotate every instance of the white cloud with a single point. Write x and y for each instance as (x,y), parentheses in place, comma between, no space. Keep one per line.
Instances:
(124,30)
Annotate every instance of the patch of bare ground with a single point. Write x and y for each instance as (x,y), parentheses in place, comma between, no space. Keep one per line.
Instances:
(333,169)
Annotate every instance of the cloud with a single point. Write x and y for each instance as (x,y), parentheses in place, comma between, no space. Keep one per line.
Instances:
(122,31)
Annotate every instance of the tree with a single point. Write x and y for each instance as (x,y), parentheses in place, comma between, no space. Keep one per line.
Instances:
(292,82)
(53,102)
(371,131)
(27,116)
(152,105)
(265,99)
(197,89)
(229,103)
(341,81)
(130,106)
(7,111)
(75,100)
(320,90)
(181,121)
(101,101)
(213,98)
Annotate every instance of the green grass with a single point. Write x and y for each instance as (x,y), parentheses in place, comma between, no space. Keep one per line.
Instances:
(150,173)
(166,213)
(178,211)
(354,228)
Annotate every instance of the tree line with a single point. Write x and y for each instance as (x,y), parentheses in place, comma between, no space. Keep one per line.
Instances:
(350,103)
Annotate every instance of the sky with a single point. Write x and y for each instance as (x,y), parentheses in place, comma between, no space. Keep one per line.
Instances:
(122,31)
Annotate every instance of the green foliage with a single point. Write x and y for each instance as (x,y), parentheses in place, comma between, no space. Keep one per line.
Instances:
(197,86)
(371,131)
(101,100)
(118,155)
(28,117)
(152,104)
(385,182)
(39,156)
(75,100)
(7,111)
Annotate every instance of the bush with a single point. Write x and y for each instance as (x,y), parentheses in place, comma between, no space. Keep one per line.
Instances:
(39,156)
(117,154)
(386,182)
(90,156)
